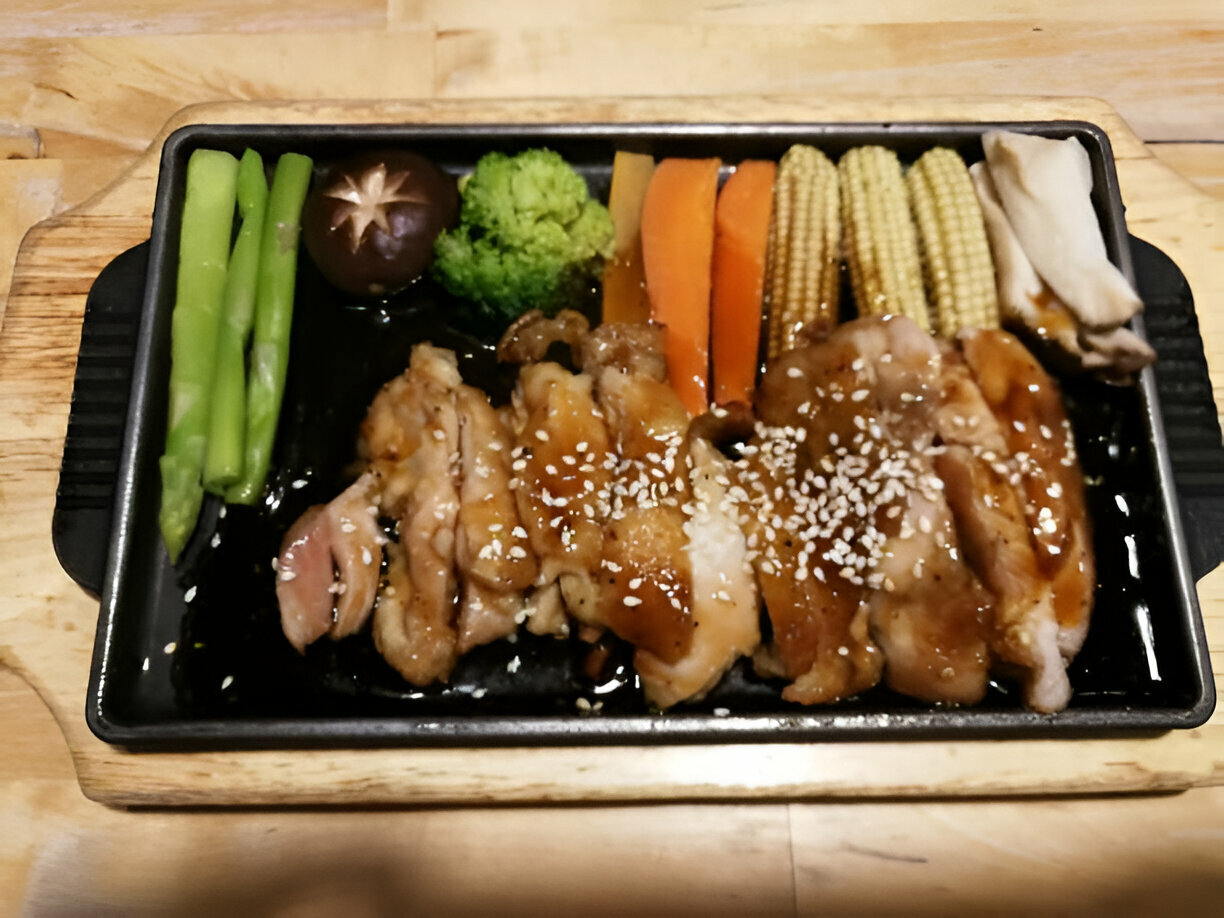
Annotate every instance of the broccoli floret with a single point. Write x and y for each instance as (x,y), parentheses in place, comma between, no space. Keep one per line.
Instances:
(528,235)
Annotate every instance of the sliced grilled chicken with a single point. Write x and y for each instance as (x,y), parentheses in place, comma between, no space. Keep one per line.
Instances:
(1030,410)
(869,516)
(328,569)
(722,595)
(493,557)
(644,581)
(411,436)
(562,462)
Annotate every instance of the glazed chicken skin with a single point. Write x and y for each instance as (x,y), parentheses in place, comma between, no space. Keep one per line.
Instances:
(411,438)
(493,559)
(722,593)
(669,565)
(561,461)
(642,592)
(870,521)
(676,582)
(1044,470)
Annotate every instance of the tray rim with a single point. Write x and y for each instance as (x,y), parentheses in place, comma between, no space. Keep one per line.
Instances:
(807,725)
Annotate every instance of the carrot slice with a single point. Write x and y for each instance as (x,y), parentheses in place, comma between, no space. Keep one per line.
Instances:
(677,252)
(624,281)
(741,237)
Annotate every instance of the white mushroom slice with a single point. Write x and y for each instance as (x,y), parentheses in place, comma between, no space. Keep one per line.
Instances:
(1045,186)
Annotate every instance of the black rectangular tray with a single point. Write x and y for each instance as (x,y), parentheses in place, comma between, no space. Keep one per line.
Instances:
(215,671)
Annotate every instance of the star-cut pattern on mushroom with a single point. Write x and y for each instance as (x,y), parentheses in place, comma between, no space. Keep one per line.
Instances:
(367,201)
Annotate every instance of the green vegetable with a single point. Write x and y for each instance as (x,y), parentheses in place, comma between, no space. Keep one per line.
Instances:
(204,248)
(227,424)
(269,360)
(529,235)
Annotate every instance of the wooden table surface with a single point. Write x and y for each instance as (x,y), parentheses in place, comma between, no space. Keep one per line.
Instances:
(84,88)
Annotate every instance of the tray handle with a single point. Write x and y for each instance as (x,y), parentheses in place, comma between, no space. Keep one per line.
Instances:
(97,417)
(1191,423)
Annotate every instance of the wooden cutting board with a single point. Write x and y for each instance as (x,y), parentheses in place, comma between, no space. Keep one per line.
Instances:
(47,623)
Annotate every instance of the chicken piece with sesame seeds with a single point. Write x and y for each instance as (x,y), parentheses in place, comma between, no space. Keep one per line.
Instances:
(411,438)
(1047,474)
(930,614)
(725,608)
(562,463)
(870,511)
(820,643)
(493,557)
(991,526)
(643,588)
(328,568)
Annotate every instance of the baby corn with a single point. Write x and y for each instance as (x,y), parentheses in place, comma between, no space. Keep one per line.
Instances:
(956,258)
(802,282)
(880,243)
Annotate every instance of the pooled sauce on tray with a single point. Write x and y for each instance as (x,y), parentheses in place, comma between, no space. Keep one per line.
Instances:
(232,658)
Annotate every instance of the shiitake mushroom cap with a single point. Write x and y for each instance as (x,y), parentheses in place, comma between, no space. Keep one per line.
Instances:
(370,224)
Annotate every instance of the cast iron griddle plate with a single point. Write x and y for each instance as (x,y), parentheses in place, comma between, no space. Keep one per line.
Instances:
(216,671)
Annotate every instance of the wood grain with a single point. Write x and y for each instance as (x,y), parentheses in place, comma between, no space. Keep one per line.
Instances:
(94,75)
(911,59)
(475,14)
(1202,163)
(42,19)
(46,624)
(1094,855)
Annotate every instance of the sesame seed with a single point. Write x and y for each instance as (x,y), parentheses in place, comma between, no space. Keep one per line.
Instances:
(632,601)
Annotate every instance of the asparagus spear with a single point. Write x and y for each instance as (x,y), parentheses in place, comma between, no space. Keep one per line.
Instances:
(204,247)
(227,424)
(273,317)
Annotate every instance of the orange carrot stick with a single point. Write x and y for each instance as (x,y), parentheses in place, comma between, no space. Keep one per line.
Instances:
(677,252)
(624,282)
(741,237)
